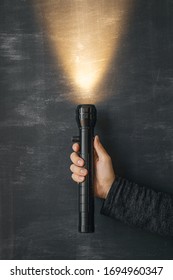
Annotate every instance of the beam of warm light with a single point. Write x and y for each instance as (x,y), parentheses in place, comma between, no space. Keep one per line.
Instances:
(85,35)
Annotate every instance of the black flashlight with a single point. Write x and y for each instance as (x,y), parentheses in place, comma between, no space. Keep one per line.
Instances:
(86,115)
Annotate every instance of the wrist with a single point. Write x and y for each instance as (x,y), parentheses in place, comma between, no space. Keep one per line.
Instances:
(109,186)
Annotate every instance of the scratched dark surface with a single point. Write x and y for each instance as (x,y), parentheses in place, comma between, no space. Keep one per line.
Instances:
(38,201)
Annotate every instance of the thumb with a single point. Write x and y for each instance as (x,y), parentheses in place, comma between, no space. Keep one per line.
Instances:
(100,150)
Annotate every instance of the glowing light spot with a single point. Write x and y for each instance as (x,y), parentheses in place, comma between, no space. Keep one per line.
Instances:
(84,35)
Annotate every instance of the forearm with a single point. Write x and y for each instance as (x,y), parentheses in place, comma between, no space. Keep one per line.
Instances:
(140,206)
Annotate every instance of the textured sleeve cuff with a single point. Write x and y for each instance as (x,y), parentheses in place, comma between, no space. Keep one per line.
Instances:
(112,197)
(139,206)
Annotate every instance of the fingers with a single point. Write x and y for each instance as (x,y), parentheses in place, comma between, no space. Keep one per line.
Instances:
(78,173)
(78,170)
(100,150)
(76,147)
(77,179)
(76,159)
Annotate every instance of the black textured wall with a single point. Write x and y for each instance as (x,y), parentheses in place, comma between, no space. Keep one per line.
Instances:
(38,200)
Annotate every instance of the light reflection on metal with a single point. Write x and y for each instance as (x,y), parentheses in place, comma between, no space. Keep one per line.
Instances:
(85,35)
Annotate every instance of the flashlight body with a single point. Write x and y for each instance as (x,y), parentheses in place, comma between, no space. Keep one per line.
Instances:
(86,118)
(86,192)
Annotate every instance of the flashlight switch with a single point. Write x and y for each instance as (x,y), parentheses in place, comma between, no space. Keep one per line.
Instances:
(75,139)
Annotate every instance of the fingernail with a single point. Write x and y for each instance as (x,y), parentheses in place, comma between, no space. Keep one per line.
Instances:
(97,138)
(75,145)
(81,179)
(82,171)
(80,162)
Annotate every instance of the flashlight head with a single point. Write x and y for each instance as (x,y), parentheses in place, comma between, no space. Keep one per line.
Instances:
(86,115)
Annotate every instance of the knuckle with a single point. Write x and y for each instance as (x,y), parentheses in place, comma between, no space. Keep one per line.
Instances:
(107,158)
(73,177)
(71,167)
(72,156)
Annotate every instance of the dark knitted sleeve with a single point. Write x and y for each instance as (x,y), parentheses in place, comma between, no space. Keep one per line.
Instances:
(140,206)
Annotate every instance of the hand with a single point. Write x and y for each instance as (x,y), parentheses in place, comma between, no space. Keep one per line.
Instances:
(104,174)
